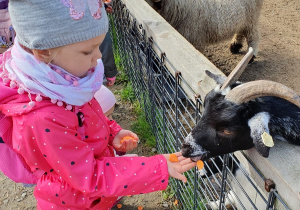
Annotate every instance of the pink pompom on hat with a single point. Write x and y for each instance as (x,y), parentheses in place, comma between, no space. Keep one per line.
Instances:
(105,98)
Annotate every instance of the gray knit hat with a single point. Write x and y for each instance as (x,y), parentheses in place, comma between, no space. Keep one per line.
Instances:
(45,24)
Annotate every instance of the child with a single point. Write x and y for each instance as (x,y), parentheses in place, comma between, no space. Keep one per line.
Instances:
(48,80)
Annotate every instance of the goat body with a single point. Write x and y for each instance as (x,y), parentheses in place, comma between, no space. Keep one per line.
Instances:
(204,22)
(226,127)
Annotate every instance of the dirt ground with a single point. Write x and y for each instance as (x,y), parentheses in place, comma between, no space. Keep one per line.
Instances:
(279,50)
(278,60)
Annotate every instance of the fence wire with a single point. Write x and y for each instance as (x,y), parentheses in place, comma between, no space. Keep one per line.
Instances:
(224,184)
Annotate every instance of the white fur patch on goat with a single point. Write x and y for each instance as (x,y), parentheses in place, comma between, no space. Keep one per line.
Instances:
(218,88)
(259,124)
(197,149)
(225,91)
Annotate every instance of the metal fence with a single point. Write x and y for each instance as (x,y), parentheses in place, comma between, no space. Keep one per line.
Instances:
(171,114)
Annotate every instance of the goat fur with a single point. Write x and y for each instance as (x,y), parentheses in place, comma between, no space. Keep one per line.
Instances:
(244,125)
(203,22)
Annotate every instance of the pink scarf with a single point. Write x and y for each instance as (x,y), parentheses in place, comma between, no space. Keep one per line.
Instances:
(35,77)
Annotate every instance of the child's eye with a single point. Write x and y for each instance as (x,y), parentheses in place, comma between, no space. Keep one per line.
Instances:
(88,53)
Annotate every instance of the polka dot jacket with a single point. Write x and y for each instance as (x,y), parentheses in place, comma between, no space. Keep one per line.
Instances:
(72,150)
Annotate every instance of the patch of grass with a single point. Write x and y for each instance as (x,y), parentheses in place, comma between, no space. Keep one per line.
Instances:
(127,93)
(122,77)
(142,128)
(168,193)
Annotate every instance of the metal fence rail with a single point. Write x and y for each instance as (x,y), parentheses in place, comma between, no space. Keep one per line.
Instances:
(172,115)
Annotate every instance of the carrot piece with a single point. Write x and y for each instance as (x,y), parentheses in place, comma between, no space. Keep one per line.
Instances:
(173,158)
(126,138)
(200,164)
(140,208)
(119,206)
(176,202)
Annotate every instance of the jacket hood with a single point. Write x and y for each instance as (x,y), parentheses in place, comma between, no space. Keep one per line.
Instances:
(12,103)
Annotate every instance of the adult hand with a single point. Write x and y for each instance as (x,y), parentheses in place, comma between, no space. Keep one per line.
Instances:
(176,169)
(126,145)
(110,81)
(109,9)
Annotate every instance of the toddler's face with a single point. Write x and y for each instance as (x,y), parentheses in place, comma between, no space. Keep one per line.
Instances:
(79,57)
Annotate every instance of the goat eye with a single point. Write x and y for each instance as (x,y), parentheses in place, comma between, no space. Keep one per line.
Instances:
(227,132)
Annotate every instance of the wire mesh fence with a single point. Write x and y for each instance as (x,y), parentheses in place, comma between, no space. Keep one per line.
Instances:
(224,183)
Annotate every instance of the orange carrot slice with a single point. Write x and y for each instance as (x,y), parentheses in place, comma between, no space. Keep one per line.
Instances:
(126,138)
(200,164)
(119,206)
(176,202)
(140,208)
(173,158)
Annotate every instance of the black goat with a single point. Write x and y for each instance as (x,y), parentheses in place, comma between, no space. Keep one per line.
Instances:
(236,116)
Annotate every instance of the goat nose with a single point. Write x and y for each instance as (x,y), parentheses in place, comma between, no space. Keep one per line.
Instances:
(186,150)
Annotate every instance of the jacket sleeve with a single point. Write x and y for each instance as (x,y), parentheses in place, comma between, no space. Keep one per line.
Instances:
(53,137)
(114,128)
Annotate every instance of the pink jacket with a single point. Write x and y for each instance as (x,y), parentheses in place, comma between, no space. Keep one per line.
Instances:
(80,170)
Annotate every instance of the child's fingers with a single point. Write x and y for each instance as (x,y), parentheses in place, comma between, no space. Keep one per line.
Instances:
(122,148)
(181,158)
(178,154)
(134,143)
(186,161)
(130,144)
(180,177)
(187,167)
(133,135)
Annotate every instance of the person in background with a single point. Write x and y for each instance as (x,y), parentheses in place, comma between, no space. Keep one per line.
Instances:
(110,69)
(7,33)
(47,84)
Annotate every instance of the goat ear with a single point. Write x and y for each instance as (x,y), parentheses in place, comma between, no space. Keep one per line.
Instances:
(258,125)
(218,78)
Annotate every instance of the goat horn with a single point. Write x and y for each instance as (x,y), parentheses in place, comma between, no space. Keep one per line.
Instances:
(251,90)
(238,70)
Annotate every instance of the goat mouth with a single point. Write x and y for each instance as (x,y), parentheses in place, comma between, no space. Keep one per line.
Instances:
(199,157)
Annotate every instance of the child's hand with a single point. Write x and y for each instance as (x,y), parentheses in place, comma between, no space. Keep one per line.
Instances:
(126,145)
(176,169)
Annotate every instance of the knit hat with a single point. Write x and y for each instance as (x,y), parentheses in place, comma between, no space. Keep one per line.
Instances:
(45,24)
